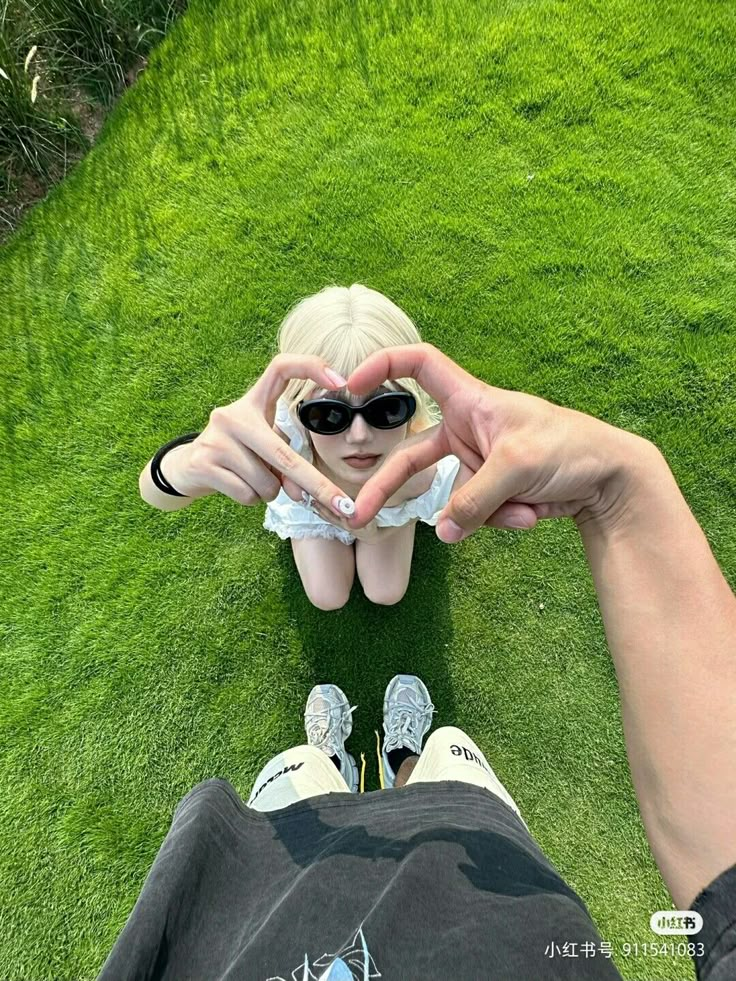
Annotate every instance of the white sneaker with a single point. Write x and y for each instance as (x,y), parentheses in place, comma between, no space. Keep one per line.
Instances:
(407,717)
(328,722)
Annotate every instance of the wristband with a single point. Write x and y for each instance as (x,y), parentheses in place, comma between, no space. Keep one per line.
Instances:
(158,478)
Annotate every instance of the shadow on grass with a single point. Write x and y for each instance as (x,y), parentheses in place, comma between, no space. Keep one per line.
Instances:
(363,645)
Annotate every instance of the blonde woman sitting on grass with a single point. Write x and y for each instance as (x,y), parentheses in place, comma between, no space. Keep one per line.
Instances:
(346,438)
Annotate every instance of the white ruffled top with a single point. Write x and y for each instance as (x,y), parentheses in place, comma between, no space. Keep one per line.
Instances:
(292,519)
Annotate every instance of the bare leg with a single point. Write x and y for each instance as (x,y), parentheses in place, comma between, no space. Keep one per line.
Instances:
(405,770)
(384,568)
(327,569)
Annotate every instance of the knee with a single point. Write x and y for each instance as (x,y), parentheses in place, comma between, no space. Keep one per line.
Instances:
(453,736)
(385,594)
(327,597)
(452,732)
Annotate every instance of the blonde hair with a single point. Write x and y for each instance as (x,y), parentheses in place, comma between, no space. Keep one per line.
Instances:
(343,325)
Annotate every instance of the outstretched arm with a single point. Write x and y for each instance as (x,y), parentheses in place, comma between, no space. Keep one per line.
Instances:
(670,621)
(669,614)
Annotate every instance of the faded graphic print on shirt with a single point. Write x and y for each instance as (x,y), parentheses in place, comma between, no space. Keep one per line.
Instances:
(353,963)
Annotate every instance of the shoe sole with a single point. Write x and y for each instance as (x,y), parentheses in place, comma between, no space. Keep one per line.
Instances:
(353,782)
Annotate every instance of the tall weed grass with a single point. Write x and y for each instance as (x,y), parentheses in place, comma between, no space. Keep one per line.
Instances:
(63,63)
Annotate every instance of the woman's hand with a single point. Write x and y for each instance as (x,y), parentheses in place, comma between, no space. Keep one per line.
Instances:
(369,533)
(240,455)
(523,458)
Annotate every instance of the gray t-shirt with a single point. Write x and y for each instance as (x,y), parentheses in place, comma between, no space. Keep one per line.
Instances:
(435,880)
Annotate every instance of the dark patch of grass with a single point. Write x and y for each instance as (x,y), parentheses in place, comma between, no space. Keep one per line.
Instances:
(52,107)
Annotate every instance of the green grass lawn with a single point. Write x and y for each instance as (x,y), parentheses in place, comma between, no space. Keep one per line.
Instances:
(547,189)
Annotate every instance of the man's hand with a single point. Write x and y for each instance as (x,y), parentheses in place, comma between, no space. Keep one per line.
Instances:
(525,458)
(668,611)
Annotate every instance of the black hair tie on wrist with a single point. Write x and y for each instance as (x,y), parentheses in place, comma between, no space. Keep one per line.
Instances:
(158,478)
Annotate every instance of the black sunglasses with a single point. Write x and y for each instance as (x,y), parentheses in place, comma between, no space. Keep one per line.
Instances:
(330,416)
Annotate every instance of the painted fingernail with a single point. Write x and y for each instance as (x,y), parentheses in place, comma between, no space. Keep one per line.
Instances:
(306,498)
(343,505)
(339,381)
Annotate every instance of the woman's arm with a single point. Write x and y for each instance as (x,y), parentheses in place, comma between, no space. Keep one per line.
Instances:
(169,468)
(169,465)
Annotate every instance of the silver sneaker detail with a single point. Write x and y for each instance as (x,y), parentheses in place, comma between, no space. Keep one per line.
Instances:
(328,723)
(407,717)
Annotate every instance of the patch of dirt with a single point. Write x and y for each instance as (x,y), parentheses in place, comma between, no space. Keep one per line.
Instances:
(90,115)
(131,76)
(26,191)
